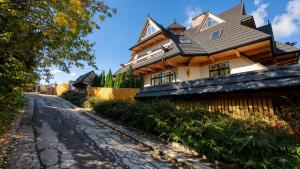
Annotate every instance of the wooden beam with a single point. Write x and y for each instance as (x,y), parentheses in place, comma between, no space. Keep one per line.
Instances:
(170,63)
(190,62)
(237,53)
(212,59)
(161,66)
(149,69)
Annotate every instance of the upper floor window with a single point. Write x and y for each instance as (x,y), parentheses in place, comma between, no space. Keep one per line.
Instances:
(185,41)
(162,77)
(149,31)
(209,23)
(216,34)
(219,70)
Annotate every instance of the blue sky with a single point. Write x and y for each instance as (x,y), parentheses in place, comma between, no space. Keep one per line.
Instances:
(119,33)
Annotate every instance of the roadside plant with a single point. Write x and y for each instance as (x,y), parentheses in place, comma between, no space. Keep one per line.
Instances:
(245,142)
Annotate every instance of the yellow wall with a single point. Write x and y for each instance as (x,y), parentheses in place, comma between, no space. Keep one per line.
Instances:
(113,93)
(61,88)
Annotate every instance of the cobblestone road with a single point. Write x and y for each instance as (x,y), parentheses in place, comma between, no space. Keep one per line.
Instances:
(55,135)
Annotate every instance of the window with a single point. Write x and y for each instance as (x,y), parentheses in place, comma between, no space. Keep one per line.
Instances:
(209,22)
(216,34)
(150,30)
(185,41)
(219,70)
(161,78)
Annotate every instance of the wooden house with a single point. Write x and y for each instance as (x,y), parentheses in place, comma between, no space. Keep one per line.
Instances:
(219,53)
(84,81)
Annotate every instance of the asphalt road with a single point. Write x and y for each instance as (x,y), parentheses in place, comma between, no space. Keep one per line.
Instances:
(56,135)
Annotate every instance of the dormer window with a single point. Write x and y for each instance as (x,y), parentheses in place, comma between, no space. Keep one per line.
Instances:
(215,34)
(149,31)
(185,41)
(209,23)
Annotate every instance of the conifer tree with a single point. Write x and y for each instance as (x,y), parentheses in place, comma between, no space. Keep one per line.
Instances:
(102,84)
(109,79)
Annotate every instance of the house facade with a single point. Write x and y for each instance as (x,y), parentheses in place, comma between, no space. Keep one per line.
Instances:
(216,45)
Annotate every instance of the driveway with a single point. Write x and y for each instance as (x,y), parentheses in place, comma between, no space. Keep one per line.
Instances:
(56,135)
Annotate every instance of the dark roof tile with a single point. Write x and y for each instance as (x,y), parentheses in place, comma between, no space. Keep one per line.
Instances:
(280,77)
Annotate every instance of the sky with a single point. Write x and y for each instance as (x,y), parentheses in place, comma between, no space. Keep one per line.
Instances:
(119,33)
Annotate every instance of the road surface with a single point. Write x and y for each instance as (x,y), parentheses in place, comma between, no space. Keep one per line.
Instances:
(56,135)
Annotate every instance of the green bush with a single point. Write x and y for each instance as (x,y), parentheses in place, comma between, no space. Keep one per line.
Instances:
(74,97)
(251,144)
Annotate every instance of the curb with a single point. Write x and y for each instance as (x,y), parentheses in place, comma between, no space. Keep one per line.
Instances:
(158,152)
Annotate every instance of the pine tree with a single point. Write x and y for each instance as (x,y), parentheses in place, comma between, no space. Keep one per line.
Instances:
(109,79)
(97,81)
(102,75)
(117,81)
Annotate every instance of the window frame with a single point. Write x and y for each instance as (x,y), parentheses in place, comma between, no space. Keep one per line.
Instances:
(159,76)
(208,26)
(219,35)
(154,29)
(218,70)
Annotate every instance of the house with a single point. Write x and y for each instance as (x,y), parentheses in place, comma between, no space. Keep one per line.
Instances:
(215,45)
(84,81)
(218,49)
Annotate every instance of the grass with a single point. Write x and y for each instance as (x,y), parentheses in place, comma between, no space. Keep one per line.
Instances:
(9,113)
(74,97)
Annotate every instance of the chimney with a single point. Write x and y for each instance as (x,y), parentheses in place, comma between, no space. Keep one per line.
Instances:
(199,19)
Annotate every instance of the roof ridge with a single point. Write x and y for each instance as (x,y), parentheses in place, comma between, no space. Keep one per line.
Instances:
(241,5)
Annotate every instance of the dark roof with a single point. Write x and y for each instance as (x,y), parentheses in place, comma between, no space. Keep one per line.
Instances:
(279,77)
(175,25)
(234,35)
(282,49)
(266,29)
(87,79)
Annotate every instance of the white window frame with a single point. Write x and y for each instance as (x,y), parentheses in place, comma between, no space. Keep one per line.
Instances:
(214,18)
(219,35)
(156,29)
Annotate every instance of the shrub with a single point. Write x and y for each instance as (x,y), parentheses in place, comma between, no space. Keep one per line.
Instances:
(74,97)
(251,144)
(8,113)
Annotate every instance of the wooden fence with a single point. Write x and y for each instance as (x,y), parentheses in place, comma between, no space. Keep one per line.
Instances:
(113,93)
(61,88)
(240,105)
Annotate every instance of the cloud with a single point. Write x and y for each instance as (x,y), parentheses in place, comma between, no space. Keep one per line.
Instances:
(257,2)
(56,71)
(73,74)
(260,13)
(288,23)
(190,13)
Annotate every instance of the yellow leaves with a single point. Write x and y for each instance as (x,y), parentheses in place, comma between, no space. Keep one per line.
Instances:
(76,5)
(46,33)
(73,30)
(61,19)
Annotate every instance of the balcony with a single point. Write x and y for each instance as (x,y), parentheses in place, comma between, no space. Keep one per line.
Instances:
(145,57)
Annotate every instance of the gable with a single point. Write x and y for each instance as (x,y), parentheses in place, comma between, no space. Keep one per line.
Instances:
(149,29)
(211,20)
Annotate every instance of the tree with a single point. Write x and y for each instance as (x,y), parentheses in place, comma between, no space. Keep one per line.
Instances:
(35,35)
(109,79)
(97,82)
(102,75)
(117,81)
